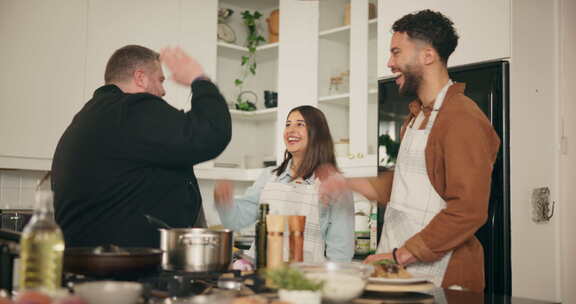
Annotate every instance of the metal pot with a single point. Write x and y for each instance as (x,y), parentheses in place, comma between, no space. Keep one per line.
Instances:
(196,249)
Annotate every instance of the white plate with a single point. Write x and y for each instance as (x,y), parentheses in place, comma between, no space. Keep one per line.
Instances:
(414,279)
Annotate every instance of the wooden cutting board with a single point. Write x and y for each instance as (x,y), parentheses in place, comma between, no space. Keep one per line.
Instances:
(372,297)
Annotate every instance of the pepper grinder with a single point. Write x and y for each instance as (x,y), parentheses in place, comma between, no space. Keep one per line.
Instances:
(296,225)
(275,225)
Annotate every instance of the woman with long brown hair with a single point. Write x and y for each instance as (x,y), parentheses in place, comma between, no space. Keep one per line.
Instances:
(292,189)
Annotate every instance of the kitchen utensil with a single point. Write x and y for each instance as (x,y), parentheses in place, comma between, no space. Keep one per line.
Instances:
(15,219)
(111,261)
(385,287)
(217,298)
(300,296)
(109,292)
(230,283)
(156,221)
(416,278)
(243,242)
(196,249)
(275,254)
(296,224)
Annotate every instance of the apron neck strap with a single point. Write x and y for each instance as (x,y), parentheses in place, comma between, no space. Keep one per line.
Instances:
(438,103)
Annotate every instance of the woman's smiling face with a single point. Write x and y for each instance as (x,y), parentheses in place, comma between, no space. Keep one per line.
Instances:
(296,134)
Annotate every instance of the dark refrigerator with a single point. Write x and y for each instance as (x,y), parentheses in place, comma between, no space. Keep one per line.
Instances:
(487,84)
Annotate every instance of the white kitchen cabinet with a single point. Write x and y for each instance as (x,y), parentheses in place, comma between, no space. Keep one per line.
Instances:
(154,24)
(483,27)
(55,53)
(42,77)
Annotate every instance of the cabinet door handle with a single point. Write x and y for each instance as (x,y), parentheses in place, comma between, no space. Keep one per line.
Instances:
(360,155)
(350,155)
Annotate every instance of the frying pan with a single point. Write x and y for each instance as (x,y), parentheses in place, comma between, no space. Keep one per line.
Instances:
(111,261)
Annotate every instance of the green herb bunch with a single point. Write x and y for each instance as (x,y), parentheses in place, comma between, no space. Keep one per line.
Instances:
(292,279)
(248,64)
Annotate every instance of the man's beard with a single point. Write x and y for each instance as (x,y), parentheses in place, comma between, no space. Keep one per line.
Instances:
(412,80)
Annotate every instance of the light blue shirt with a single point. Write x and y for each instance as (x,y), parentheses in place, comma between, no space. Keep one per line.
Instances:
(336,218)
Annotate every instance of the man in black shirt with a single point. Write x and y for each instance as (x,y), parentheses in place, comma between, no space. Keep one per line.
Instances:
(128,153)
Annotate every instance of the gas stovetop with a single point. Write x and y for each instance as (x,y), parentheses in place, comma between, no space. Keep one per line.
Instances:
(180,284)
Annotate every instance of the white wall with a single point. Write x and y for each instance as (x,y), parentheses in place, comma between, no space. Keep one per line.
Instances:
(566,207)
(533,146)
(483,27)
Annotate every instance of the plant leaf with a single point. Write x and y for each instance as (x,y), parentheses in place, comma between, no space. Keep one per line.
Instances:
(238,82)
(245,60)
(292,279)
(384,262)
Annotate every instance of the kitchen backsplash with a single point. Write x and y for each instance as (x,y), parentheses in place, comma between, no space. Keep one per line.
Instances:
(17,188)
(17,191)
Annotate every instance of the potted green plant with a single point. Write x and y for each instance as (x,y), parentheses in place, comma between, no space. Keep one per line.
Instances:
(248,63)
(293,286)
(392,148)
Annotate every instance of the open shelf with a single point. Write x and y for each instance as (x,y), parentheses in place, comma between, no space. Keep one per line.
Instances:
(258,115)
(341,99)
(342,33)
(230,49)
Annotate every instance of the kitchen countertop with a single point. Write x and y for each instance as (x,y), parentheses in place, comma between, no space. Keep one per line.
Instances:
(442,296)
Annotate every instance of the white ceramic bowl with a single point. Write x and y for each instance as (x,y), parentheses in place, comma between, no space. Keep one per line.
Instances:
(342,281)
(109,292)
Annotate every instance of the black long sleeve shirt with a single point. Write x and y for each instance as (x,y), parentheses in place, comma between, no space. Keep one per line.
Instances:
(127,155)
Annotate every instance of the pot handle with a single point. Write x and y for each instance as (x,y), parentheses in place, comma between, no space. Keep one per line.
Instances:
(189,240)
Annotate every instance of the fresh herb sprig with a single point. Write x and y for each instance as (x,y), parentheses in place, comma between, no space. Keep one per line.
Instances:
(292,279)
(384,262)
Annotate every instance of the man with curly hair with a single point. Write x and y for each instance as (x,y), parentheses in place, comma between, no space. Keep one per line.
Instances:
(437,197)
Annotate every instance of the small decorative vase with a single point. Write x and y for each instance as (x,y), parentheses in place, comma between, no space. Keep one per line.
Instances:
(300,296)
(273,24)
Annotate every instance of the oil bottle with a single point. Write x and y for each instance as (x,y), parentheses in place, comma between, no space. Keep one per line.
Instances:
(41,248)
(261,238)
